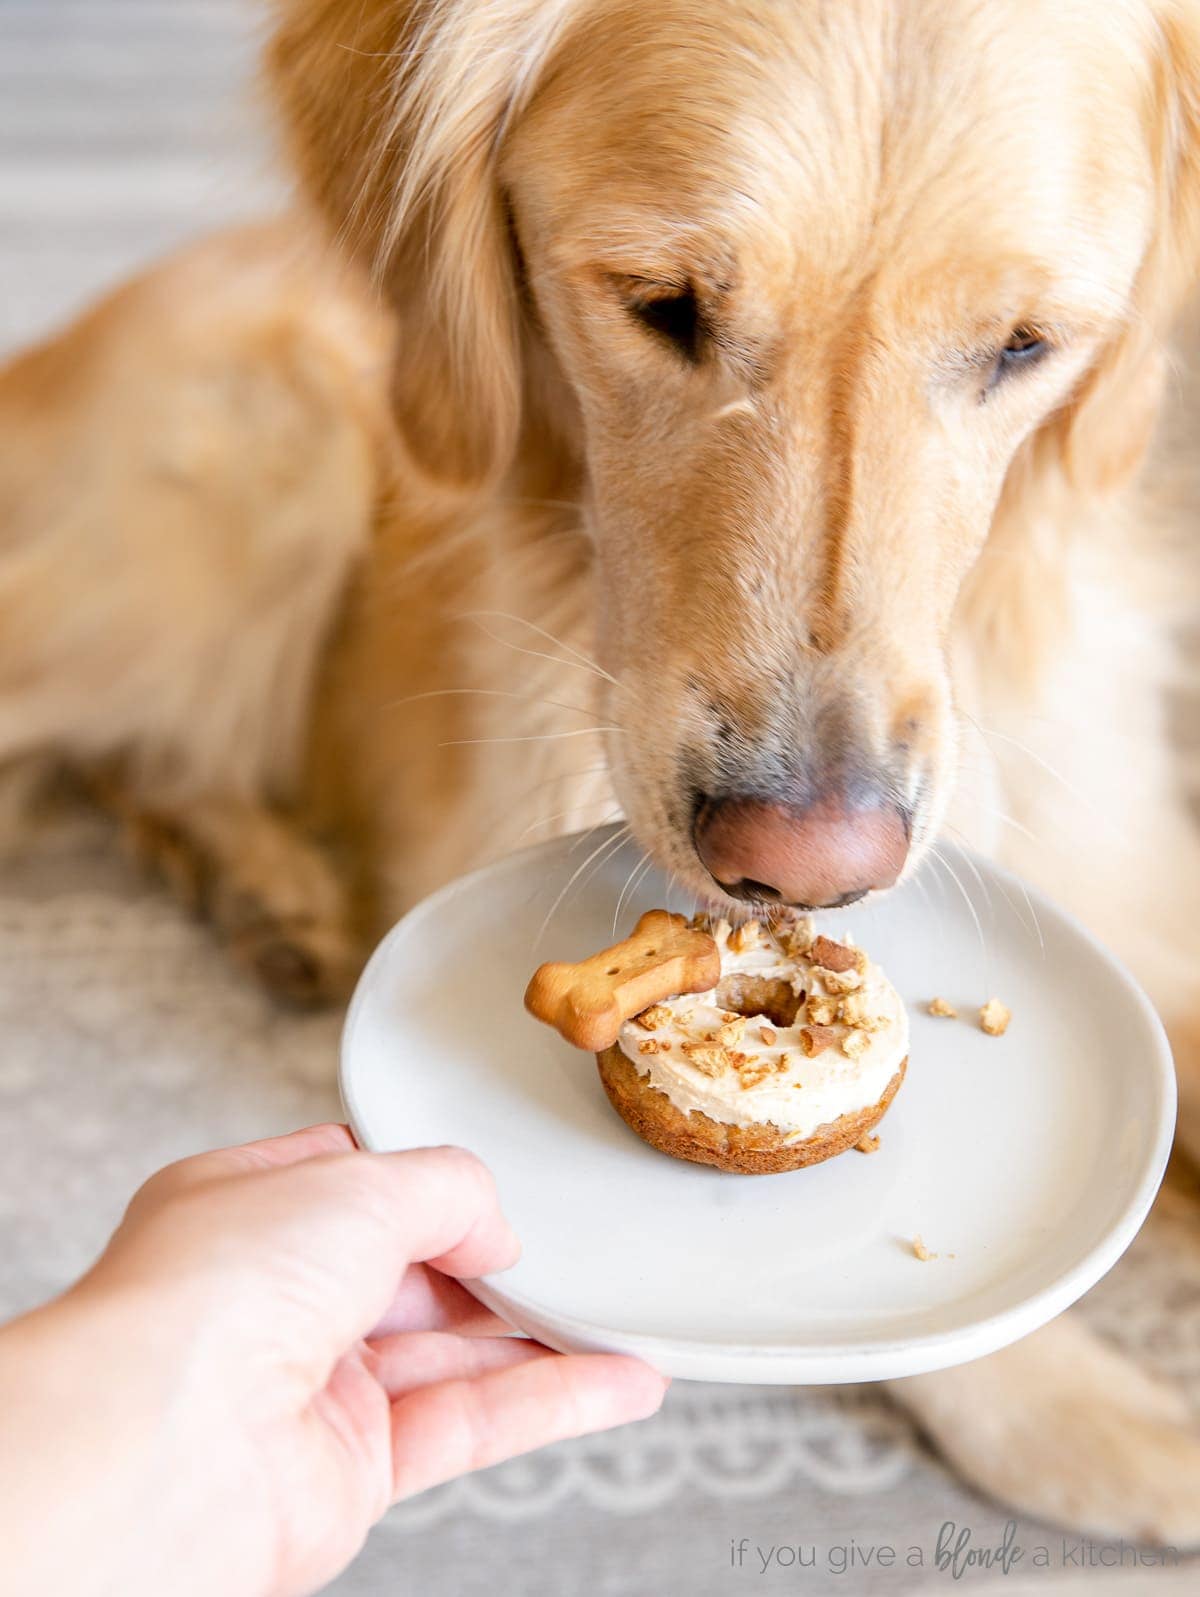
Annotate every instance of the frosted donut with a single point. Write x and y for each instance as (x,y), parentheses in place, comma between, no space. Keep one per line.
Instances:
(793,1057)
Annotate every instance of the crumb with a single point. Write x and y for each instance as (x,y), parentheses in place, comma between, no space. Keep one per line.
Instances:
(921,1252)
(744,936)
(650,1046)
(841,981)
(867,1143)
(994,1017)
(943,1007)
(730,1033)
(800,937)
(709,1060)
(665,1045)
(815,1039)
(834,956)
(767,1035)
(822,1011)
(855,1044)
(654,1017)
(855,1010)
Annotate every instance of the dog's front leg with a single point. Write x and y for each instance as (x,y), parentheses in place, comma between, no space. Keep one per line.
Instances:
(1062,1427)
(270,891)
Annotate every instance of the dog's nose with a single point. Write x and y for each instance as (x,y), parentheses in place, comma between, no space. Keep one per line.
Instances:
(816,856)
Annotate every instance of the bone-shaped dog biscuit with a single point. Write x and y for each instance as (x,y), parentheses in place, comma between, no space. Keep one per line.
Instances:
(588,1003)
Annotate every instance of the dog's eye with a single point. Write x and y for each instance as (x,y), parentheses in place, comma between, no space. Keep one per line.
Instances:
(673,316)
(1025,347)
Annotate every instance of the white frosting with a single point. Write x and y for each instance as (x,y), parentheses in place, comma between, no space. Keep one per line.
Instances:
(800,1096)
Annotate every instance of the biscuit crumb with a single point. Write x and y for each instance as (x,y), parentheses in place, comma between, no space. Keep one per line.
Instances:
(800,937)
(709,1060)
(767,1035)
(921,1252)
(651,1045)
(815,1039)
(994,1017)
(822,1011)
(841,981)
(744,936)
(730,1033)
(943,1007)
(855,1044)
(867,1143)
(654,1017)
(855,1010)
(833,956)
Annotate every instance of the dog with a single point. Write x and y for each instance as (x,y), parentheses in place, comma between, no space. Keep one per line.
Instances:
(728,417)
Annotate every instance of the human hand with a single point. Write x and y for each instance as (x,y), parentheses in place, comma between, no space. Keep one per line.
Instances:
(271,1350)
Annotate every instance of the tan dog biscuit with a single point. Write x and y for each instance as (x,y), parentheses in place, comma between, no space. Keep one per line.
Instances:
(588,1003)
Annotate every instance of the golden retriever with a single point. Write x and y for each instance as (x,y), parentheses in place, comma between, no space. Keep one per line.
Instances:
(772,379)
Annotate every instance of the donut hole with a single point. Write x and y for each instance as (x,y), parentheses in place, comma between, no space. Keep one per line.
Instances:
(766,997)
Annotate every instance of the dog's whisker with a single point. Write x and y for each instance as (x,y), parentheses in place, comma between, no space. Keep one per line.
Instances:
(967,899)
(621,839)
(548,504)
(1002,816)
(611,844)
(1033,924)
(559,643)
(922,887)
(1039,760)
(506,810)
(559,815)
(582,840)
(971,865)
(540,654)
(532,737)
(640,867)
(489,693)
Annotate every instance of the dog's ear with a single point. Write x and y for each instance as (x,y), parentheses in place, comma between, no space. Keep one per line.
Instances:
(394,110)
(1104,432)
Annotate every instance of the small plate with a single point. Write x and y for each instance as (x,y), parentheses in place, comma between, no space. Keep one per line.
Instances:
(1026,1163)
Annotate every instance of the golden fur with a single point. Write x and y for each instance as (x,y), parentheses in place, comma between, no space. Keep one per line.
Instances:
(248,501)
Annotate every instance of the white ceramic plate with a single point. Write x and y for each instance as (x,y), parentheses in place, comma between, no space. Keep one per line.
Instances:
(1026,1163)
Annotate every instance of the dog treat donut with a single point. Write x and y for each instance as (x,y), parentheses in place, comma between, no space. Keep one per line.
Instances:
(588,1003)
(790,1054)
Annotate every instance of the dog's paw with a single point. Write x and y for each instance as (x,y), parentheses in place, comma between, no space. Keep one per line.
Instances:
(1063,1428)
(283,914)
(299,960)
(269,891)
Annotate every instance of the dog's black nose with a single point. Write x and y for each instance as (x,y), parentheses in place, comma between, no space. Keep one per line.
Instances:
(816,856)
